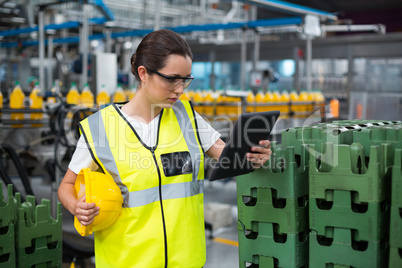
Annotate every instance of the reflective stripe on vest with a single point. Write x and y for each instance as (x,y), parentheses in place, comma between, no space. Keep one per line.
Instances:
(178,190)
(162,215)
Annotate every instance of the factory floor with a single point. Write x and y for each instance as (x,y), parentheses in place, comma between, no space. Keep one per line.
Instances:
(222,248)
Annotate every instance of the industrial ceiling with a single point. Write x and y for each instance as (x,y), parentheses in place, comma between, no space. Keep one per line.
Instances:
(137,15)
(17,13)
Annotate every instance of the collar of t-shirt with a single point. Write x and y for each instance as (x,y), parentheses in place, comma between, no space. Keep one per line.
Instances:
(147,132)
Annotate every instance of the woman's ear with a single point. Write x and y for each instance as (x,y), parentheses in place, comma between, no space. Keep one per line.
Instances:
(142,73)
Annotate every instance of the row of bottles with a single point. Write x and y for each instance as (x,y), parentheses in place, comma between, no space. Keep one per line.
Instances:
(86,98)
(300,104)
(36,99)
(206,101)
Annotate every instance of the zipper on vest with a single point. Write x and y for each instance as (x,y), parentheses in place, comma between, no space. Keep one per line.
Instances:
(160,201)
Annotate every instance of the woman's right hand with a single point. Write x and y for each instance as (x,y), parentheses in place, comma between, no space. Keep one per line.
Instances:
(85,212)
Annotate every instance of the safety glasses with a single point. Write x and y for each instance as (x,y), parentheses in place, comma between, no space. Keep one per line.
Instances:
(175,81)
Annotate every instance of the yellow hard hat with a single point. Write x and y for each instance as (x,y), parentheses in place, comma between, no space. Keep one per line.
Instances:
(101,189)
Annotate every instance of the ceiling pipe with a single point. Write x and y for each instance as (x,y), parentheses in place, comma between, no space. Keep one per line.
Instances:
(291,8)
(178,29)
(60,26)
(67,25)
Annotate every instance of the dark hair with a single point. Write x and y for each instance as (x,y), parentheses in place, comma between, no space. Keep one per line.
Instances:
(155,48)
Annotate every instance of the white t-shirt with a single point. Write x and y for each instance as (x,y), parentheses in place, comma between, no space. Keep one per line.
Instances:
(148,133)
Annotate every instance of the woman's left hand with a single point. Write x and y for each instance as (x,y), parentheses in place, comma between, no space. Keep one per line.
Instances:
(260,154)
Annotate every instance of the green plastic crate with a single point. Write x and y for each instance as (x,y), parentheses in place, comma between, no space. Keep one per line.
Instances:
(370,221)
(286,172)
(396,197)
(342,252)
(7,234)
(7,246)
(378,135)
(290,215)
(260,262)
(7,208)
(342,167)
(288,251)
(395,257)
(317,136)
(395,232)
(38,235)
(396,202)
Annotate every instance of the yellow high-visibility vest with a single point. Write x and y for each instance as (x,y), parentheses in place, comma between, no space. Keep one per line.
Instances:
(162,220)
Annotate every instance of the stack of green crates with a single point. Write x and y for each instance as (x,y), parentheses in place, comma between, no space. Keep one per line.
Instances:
(273,212)
(36,238)
(349,206)
(391,133)
(7,220)
(395,250)
(347,168)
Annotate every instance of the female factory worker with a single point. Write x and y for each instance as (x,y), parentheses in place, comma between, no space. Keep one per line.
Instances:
(153,146)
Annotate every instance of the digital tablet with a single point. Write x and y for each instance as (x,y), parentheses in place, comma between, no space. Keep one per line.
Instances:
(249,129)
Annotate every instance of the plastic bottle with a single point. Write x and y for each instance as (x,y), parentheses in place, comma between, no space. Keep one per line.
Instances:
(209,104)
(334,107)
(87,97)
(320,102)
(303,108)
(103,97)
(197,98)
(185,96)
(237,108)
(1,103)
(130,93)
(1,100)
(36,102)
(276,98)
(284,107)
(191,93)
(119,95)
(268,100)
(310,99)
(221,108)
(250,102)
(294,98)
(259,101)
(231,108)
(52,98)
(17,98)
(73,96)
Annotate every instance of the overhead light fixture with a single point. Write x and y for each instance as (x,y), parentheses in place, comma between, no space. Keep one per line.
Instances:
(220,35)
(94,43)
(128,45)
(51,31)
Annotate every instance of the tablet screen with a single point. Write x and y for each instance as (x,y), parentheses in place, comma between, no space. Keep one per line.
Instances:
(249,129)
